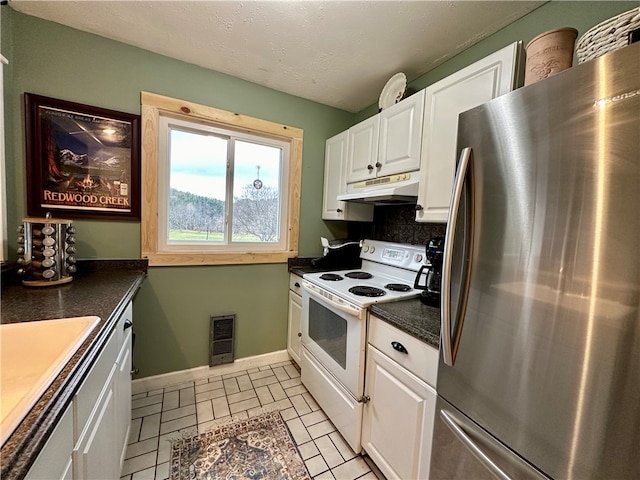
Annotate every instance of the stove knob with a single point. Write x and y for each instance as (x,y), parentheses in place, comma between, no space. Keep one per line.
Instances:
(373,249)
(366,248)
(418,258)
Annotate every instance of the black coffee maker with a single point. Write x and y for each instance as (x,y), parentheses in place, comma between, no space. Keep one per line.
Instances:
(433,273)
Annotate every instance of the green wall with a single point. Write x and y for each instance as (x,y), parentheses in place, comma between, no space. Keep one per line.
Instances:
(173,307)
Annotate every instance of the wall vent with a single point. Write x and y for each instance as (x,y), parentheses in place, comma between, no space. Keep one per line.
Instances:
(221,339)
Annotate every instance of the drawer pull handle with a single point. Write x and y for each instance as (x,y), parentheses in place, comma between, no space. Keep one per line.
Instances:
(399,347)
(297,285)
(127,324)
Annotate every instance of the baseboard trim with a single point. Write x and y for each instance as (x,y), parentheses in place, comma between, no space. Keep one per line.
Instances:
(163,380)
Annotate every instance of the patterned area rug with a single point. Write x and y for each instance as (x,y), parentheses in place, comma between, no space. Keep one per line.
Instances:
(257,448)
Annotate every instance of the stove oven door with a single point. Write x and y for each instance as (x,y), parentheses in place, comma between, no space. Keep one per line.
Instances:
(334,331)
(332,363)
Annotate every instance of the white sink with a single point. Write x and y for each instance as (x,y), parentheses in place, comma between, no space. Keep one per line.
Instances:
(32,354)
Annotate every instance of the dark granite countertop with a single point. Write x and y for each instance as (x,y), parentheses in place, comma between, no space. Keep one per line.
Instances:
(413,317)
(100,287)
(303,265)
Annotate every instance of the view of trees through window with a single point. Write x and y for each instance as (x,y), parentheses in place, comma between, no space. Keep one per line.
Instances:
(210,172)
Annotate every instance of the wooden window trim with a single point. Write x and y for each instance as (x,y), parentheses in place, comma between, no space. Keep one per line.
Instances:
(152,106)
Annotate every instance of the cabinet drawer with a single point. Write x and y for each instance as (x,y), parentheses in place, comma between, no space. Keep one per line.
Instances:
(90,390)
(295,283)
(421,359)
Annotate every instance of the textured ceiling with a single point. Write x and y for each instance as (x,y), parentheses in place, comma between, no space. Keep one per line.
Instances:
(339,53)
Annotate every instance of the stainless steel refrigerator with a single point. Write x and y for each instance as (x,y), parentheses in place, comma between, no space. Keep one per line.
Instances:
(539,374)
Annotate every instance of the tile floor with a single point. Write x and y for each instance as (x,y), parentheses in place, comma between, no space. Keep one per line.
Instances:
(186,409)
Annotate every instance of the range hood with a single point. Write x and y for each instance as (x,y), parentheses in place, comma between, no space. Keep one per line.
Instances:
(389,190)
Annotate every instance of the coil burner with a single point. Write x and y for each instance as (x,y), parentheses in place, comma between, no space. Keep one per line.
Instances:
(365,291)
(331,277)
(397,287)
(359,275)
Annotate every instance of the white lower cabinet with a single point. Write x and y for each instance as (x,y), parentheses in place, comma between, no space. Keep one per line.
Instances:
(89,441)
(54,461)
(95,454)
(294,333)
(399,416)
(103,410)
(123,393)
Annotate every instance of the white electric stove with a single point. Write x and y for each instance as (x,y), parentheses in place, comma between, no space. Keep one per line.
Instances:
(334,326)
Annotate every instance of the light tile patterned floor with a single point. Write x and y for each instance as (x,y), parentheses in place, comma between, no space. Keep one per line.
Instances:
(163,415)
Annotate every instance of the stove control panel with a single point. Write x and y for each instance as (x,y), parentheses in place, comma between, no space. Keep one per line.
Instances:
(401,255)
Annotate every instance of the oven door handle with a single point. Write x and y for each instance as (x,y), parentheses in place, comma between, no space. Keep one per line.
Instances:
(344,306)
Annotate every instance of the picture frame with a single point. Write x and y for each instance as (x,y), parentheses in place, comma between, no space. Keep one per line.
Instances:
(82,161)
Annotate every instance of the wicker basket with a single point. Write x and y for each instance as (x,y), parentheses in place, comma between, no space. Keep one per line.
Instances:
(609,35)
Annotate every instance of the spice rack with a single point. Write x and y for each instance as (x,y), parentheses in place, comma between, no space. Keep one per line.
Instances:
(46,251)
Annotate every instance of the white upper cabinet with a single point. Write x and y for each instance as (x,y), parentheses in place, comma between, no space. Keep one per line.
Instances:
(401,136)
(470,87)
(388,142)
(362,153)
(335,183)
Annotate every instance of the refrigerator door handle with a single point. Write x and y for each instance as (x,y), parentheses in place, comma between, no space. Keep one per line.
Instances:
(490,454)
(448,349)
(471,445)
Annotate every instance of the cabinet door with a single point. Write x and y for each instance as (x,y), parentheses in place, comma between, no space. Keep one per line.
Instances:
(96,455)
(398,419)
(470,87)
(335,182)
(123,396)
(362,150)
(401,136)
(54,460)
(295,332)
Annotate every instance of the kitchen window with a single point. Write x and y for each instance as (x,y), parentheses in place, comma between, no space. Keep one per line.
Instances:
(217,187)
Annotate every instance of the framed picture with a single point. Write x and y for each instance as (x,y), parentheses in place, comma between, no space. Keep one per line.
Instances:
(82,161)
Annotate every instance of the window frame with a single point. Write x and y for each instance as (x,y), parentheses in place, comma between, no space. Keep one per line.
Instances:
(153,106)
